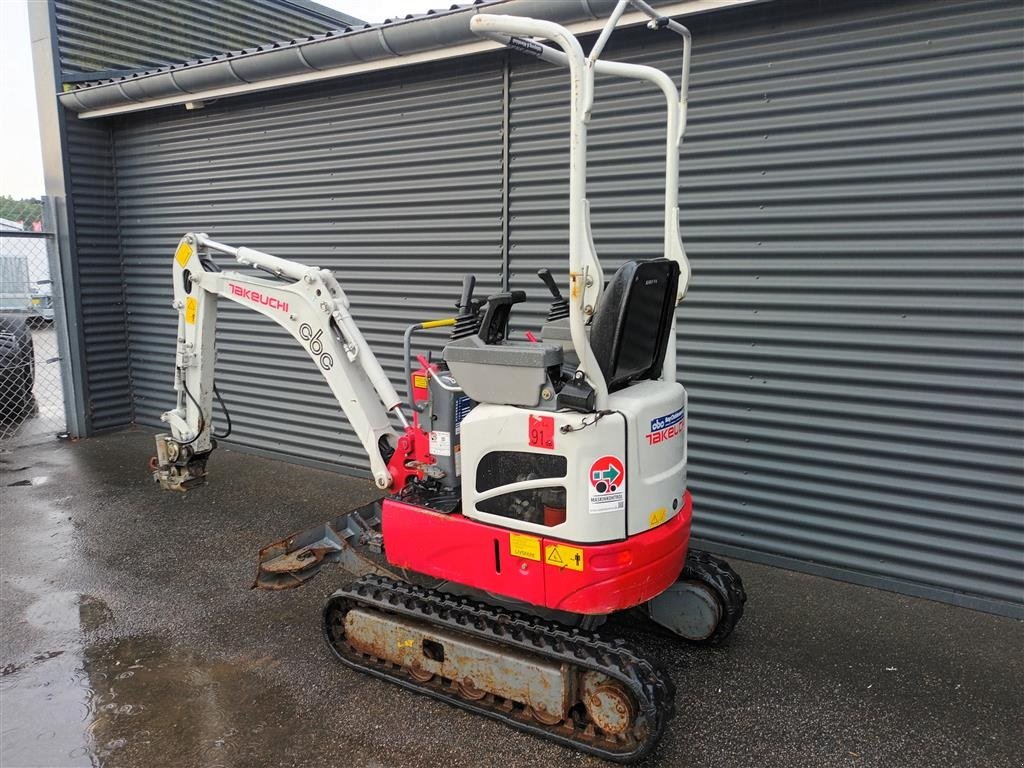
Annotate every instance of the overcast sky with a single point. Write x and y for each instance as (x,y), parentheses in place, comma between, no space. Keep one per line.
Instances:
(21,169)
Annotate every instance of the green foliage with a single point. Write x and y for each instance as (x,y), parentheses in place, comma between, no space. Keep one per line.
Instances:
(21,210)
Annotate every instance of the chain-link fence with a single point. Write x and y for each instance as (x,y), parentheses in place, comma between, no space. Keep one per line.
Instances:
(31,393)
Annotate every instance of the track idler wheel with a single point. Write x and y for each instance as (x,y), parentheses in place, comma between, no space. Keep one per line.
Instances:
(705,603)
(608,704)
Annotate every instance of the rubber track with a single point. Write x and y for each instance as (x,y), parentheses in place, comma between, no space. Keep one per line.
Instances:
(718,575)
(652,690)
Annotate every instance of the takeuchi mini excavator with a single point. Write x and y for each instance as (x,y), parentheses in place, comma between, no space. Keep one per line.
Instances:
(532,487)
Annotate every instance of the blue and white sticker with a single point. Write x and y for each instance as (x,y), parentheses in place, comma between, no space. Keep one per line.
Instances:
(664,428)
(463,405)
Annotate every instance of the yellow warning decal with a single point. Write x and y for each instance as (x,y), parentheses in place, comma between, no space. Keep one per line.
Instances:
(419,381)
(183,254)
(524,546)
(564,556)
(191,305)
(657,517)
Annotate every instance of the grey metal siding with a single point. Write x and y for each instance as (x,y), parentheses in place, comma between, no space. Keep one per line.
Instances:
(393,182)
(851,193)
(853,342)
(100,284)
(102,35)
(117,34)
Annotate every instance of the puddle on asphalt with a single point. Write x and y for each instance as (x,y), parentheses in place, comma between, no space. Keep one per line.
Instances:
(136,701)
(40,480)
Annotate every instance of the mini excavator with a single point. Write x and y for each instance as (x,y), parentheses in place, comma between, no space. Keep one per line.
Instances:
(540,485)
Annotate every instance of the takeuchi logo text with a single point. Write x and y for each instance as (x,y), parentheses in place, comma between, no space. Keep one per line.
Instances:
(258,298)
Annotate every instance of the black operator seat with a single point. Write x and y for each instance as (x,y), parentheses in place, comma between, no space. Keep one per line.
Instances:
(630,329)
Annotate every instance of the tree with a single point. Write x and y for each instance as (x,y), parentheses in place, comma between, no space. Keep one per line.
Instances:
(25,210)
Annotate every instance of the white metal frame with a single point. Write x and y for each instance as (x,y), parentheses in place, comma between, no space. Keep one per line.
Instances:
(586,278)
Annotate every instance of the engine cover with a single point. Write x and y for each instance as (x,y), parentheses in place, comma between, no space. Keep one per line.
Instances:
(583,477)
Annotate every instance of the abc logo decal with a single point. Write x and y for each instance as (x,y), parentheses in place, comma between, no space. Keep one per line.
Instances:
(316,346)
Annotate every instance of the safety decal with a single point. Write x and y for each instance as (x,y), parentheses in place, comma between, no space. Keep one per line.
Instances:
(191,307)
(564,556)
(607,485)
(657,517)
(527,547)
(183,254)
(419,381)
(441,443)
(542,432)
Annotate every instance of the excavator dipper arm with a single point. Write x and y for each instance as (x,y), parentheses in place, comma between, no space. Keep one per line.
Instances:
(311,305)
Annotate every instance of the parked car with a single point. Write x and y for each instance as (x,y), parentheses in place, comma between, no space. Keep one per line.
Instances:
(41,310)
(17,367)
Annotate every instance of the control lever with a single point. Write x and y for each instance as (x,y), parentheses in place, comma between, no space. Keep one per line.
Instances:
(494,328)
(559,308)
(467,323)
(465,301)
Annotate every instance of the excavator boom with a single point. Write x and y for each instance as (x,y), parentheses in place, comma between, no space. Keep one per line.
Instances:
(307,302)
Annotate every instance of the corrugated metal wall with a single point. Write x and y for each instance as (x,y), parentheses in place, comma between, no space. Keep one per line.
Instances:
(116,34)
(393,181)
(93,207)
(852,206)
(853,338)
(99,35)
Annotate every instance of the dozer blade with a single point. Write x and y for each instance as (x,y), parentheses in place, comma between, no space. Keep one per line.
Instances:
(348,541)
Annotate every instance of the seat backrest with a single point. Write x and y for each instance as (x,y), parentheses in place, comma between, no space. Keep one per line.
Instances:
(631,326)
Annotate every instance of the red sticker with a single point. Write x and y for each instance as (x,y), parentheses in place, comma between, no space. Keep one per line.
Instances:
(607,485)
(542,432)
(607,474)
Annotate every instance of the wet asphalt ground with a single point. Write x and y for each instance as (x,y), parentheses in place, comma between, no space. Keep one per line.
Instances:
(130,638)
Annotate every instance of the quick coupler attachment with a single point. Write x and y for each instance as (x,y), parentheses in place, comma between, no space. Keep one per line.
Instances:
(176,467)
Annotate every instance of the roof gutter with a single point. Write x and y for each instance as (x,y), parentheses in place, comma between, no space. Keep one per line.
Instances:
(338,54)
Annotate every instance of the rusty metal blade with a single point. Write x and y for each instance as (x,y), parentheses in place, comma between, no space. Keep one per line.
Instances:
(345,540)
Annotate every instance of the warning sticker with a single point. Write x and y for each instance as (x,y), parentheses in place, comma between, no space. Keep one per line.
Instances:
(524,546)
(657,517)
(441,443)
(607,485)
(564,556)
(183,254)
(419,381)
(191,306)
